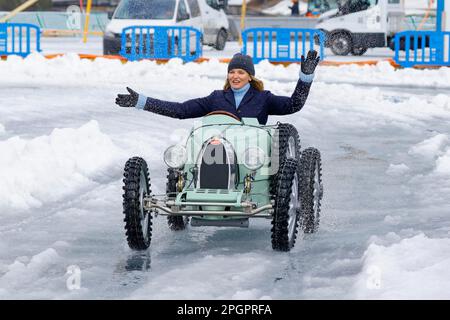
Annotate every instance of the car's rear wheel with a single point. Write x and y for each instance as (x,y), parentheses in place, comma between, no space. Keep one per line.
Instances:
(311,189)
(285,145)
(138,220)
(176,223)
(287,205)
(110,47)
(221,39)
(341,43)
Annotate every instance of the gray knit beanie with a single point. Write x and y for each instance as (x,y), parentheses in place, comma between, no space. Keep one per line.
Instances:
(242,61)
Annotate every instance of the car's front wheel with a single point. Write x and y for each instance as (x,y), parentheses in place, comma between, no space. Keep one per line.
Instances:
(341,43)
(287,206)
(221,39)
(111,46)
(285,145)
(138,220)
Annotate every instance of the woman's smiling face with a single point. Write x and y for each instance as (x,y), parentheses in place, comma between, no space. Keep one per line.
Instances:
(238,78)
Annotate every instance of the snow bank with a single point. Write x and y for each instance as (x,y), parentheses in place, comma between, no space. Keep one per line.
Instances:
(48,168)
(368,110)
(414,268)
(26,272)
(70,70)
(443,164)
(384,73)
(76,71)
(436,149)
(430,148)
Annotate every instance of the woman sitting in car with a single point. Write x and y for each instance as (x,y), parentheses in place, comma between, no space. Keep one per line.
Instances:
(243,95)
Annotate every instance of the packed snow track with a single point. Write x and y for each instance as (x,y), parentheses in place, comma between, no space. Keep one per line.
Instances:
(385,223)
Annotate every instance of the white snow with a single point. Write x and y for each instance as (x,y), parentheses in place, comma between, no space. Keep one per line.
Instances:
(384,73)
(443,164)
(430,148)
(436,150)
(385,229)
(413,268)
(28,272)
(76,71)
(47,168)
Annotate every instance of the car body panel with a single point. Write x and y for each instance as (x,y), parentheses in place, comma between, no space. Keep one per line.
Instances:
(240,135)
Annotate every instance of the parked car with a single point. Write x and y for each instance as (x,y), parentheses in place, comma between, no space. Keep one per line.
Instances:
(207,16)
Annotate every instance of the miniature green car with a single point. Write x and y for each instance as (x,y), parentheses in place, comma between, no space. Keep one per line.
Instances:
(228,171)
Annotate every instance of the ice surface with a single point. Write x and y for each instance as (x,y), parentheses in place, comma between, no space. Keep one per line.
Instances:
(397,169)
(385,224)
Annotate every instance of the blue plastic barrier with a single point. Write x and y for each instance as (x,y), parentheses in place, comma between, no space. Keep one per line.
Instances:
(426,48)
(155,42)
(16,39)
(282,44)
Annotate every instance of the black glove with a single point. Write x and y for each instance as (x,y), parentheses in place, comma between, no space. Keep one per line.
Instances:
(309,65)
(127,100)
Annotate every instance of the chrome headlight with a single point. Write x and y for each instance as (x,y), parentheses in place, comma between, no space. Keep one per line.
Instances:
(175,156)
(254,158)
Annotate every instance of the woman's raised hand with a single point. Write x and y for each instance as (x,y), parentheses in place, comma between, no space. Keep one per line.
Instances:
(310,63)
(127,100)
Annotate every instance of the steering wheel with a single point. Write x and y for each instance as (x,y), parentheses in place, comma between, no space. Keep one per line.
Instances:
(226,113)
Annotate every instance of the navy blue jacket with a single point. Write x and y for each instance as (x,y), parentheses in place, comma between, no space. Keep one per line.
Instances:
(255,104)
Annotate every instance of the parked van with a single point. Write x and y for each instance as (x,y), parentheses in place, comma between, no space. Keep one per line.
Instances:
(361,24)
(207,16)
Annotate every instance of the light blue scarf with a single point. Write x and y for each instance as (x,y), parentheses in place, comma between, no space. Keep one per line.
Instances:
(240,93)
